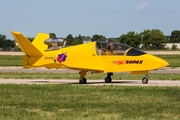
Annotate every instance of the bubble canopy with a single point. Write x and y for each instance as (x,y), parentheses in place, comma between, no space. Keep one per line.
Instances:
(118,49)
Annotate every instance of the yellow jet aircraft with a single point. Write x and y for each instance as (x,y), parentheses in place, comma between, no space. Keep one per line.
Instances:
(99,57)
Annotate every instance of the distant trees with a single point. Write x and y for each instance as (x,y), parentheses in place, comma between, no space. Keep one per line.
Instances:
(70,40)
(78,40)
(153,39)
(52,35)
(175,36)
(148,39)
(131,39)
(6,44)
(97,37)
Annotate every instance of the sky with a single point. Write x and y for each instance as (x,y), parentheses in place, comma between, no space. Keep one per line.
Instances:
(110,18)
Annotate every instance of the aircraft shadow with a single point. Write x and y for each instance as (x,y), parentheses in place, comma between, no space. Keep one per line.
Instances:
(88,82)
(113,82)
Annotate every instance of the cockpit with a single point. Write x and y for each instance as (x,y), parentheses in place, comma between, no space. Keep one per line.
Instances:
(115,48)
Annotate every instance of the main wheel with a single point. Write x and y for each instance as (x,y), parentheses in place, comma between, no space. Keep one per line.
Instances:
(108,80)
(83,81)
(145,80)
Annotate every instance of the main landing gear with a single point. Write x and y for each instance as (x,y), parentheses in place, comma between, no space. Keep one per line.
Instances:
(108,79)
(145,79)
(82,79)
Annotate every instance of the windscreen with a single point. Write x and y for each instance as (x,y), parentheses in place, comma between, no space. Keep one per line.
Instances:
(135,52)
(118,49)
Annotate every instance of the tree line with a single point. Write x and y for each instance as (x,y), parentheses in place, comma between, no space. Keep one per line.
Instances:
(148,39)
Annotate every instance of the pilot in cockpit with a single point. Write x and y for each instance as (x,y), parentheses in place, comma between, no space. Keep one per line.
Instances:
(110,49)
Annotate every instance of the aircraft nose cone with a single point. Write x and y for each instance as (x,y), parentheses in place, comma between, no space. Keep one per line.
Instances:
(156,63)
(163,63)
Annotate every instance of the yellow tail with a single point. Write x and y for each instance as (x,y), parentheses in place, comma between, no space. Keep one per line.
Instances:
(36,48)
(33,51)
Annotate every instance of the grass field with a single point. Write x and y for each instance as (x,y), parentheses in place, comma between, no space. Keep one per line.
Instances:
(83,102)
(96,76)
(10,60)
(5,60)
(173,60)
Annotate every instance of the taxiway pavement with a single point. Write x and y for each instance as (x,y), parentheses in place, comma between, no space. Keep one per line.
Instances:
(92,82)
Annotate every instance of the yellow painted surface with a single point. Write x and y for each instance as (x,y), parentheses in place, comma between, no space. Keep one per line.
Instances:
(83,57)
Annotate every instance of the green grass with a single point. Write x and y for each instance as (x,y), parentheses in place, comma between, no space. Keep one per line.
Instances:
(120,76)
(11,60)
(173,60)
(5,60)
(83,102)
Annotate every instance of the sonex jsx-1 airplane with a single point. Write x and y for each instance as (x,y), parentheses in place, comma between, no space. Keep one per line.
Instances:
(98,57)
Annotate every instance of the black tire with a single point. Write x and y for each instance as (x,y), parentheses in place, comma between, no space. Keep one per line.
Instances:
(83,81)
(108,80)
(145,80)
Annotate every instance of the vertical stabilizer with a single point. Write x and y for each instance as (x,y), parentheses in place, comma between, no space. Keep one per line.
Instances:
(38,42)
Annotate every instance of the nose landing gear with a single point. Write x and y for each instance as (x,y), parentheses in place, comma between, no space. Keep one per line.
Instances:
(145,79)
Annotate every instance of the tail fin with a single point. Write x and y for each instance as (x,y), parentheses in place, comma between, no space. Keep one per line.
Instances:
(38,42)
(33,51)
(35,48)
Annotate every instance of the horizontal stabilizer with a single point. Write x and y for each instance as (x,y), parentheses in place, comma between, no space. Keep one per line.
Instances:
(26,46)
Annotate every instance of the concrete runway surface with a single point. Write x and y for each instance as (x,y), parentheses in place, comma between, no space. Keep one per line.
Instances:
(92,82)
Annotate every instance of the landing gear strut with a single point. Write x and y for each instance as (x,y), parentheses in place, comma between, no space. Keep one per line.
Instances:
(108,79)
(82,79)
(145,79)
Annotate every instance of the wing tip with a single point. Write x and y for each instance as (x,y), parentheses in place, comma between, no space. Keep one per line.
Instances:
(15,32)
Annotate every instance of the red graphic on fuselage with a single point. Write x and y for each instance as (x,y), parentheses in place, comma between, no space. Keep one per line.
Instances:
(120,62)
(61,57)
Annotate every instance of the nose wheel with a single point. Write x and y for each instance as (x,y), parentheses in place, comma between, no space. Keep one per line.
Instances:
(145,79)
